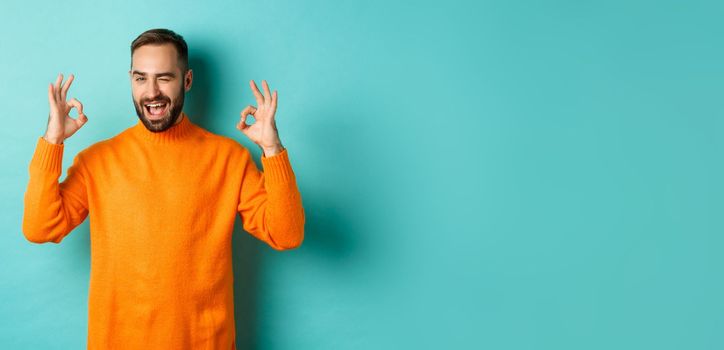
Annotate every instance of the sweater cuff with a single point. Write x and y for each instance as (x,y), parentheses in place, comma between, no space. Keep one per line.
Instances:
(48,156)
(277,168)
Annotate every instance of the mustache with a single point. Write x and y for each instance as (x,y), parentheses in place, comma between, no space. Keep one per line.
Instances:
(160,99)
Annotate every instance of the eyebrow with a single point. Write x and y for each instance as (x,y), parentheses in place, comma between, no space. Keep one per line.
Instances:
(162,74)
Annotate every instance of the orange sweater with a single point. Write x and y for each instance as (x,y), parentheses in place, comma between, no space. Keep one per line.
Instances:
(162,208)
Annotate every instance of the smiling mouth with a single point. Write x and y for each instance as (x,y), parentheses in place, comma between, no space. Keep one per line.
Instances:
(156,109)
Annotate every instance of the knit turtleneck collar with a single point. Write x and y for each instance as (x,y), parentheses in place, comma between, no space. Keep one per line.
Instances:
(176,132)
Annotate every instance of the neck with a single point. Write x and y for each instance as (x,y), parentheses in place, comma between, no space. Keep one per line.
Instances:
(177,132)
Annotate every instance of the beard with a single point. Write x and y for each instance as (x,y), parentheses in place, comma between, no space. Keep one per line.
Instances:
(173,111)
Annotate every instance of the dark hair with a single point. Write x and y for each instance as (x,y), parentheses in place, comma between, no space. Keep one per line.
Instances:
(160,36)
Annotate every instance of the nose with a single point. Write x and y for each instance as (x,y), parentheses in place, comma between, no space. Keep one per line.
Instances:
(153,89)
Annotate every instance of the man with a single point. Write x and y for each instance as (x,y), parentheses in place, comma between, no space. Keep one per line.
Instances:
(162,197)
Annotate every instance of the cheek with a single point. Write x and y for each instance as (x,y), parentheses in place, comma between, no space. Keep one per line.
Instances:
(171,92)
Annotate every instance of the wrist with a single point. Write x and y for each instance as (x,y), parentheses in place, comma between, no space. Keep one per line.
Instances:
(53,139)
(273,150)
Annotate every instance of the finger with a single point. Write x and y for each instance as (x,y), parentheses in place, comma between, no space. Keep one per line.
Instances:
(82,119)
(257,93)
(267,93)
(66,86)
(241,125)
(51,96)
(274,101)
(56,87)
(248,110)
(78,106)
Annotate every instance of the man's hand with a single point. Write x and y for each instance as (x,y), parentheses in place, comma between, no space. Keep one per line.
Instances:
(60,125)
(264,130)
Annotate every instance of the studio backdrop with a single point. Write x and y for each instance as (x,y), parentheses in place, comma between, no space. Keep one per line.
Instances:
(475,174)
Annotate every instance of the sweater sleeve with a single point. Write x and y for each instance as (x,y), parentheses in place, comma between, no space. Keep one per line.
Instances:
(270,204)
(52,209)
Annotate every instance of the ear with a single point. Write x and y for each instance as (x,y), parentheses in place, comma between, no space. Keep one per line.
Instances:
(188,79)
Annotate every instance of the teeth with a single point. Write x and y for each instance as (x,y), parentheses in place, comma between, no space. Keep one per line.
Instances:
(156,105)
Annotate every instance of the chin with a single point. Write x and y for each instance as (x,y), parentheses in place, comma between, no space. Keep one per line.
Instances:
(160,124)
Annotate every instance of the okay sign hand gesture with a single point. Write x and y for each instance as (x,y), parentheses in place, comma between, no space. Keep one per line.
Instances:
(264,130)
(60,125)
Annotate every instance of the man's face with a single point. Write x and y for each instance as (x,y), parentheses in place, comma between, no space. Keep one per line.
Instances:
(158,86)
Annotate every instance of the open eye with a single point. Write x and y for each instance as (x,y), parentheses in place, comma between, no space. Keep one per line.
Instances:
(140,78)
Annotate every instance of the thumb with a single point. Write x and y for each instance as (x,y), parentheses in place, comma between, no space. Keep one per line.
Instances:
(241,125)
(81,120)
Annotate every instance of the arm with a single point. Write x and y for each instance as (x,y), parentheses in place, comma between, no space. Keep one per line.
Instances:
(53,209)
(270,204)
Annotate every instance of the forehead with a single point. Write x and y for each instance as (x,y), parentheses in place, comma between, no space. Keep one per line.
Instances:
(153,58)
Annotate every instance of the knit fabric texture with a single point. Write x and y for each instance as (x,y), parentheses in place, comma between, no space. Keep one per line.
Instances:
(162,208)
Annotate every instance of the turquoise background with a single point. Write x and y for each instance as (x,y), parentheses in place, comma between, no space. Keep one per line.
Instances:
(475,174)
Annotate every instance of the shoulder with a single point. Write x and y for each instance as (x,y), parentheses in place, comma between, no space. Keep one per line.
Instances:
(101,147)
(224,144)
(105,147)
(94,150)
